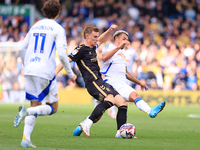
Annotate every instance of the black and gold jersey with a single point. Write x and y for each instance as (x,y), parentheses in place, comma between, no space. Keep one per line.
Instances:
(86,59)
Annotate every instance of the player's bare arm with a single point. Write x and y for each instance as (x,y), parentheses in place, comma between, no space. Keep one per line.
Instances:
(104,36)
(59,67)
(137,65)
(134,79)
(108,55)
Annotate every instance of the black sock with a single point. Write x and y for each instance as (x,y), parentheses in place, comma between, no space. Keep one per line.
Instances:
(99,110)
(121,116)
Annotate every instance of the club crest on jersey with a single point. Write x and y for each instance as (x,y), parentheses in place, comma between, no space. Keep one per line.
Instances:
(74,52)
(120,54)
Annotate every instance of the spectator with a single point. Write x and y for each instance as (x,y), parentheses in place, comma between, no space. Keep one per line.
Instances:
(165,35)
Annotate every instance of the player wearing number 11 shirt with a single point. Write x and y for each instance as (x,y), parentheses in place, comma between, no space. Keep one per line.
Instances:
(38,56)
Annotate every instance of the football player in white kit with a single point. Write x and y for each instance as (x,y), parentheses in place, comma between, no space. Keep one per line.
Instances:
(115,70)
(38,55)
(131,57)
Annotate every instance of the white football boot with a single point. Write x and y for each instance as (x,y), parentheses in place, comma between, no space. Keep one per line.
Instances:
(27,144)
(21,115)
(85,128)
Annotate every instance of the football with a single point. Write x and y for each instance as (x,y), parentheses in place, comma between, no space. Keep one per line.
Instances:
(127,131)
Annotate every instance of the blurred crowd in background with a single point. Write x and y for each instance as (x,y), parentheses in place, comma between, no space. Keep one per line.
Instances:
(164,33)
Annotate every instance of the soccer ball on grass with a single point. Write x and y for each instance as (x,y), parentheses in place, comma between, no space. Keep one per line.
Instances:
(127,131)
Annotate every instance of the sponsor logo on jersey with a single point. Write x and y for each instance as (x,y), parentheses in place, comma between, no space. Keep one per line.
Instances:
(36,59)
(120,54)
(93,59)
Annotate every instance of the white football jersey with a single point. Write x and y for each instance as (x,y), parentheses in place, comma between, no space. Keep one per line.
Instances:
(116,65)
(42,40)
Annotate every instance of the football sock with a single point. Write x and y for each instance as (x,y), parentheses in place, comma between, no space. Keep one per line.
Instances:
(99,110)
(114,110)
(142,105)
(88,122)
(29,124)
(121,116)
(41,110)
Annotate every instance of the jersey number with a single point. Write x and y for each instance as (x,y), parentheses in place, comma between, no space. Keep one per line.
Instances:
(43,35)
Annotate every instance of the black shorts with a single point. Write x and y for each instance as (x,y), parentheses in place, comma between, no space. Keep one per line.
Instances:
(100,89)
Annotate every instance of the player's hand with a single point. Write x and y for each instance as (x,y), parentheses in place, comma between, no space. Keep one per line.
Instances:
(143,86)
(73,79)
(123,44)
(112,27)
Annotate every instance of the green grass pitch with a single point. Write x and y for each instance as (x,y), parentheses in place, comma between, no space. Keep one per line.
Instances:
(172,129)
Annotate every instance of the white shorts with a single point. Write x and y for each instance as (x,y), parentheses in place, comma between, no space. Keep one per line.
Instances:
(40,89)
(120,86)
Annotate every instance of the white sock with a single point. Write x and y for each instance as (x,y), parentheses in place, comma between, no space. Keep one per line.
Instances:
(87,117)
(89,122)
(142,105)
(114,110)
(41,110)
(28,127)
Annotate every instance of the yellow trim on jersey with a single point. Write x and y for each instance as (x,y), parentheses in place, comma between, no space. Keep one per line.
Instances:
(102,92)
(89,69)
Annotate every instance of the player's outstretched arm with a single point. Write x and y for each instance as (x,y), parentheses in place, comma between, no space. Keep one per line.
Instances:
(104,35)
(134,79)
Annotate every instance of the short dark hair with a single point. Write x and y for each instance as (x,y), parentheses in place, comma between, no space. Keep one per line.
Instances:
(51,9)
(89,29)
(119,32)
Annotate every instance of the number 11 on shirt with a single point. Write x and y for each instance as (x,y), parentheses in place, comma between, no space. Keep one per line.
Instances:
(43,35)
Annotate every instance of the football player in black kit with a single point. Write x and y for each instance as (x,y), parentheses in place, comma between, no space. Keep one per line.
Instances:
(86,58)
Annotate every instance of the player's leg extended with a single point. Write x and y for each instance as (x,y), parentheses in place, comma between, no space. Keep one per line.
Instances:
(29,124)
(35,108)
(142,105)
(122,113)
(78,130)
(96,114)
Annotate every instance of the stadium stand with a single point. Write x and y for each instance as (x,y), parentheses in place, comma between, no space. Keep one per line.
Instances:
(165,34)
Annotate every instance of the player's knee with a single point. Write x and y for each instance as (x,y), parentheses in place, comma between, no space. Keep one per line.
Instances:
(55,110)
(124,103)
(133,96)
(109,98)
